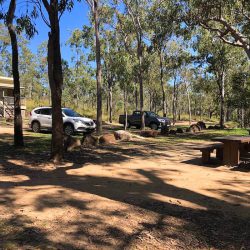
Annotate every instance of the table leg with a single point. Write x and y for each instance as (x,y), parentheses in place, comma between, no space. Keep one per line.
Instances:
(219,154)
(231,155)
(205,156)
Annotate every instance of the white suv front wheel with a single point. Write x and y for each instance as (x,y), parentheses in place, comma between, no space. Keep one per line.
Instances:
(68,129)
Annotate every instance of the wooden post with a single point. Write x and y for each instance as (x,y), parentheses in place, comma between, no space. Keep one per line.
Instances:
(3,107)
(205,156)
(219,153)
(231,153)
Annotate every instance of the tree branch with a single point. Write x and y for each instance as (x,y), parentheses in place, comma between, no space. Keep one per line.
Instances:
(239,39)
(235,33)
(46,5)
(137,27)
(38,4)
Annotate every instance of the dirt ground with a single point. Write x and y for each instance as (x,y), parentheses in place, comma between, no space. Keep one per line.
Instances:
(136,195)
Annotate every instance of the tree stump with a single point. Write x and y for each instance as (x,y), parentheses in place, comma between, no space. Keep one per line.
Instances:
(194,128)
(107,139)
(122,135)
(149,133)
(202,125)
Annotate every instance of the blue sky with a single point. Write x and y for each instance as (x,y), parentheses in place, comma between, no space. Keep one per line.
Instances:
(69,21)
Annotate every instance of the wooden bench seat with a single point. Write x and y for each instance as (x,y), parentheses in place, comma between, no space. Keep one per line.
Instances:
(208,149)
(245,157)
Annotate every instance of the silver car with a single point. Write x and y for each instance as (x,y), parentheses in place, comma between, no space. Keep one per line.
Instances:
(41,118)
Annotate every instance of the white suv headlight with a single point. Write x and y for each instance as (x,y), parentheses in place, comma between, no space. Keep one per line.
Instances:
(77,120)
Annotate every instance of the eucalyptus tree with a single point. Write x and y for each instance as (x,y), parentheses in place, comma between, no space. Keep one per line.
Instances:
(124,75)
(134,22)
(75,42)
(29,71)
(110,63)
(229,20)
(5,55)
(95,9)
(217,59)
(187,78)
(77,83)
(175,59)
(51,13)
(18,123)
(240,96)
(29,64)
(164,23)
(15,25)
(42,69)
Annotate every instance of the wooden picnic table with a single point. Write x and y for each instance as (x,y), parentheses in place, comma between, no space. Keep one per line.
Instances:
(231,149)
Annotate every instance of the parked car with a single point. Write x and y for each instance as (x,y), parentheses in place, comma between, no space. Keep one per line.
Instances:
(41,118)
(152,120)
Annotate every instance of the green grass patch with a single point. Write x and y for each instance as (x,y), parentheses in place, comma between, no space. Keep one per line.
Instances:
(40,143)
(206,135)
(34,144)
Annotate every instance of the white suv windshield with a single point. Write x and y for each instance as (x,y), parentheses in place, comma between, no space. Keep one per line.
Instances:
(71,113)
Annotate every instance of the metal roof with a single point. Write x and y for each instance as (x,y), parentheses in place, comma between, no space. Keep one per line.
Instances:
(6,82)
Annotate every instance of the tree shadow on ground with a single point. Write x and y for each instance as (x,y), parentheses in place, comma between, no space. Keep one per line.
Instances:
(19,232)
(213,163)
(202,227)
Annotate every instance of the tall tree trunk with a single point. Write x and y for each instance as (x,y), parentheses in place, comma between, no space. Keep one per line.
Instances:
(56,82)
(141,86)
(200,107)
(155,104)
(195,107)
(139,36)
(150,101)
(242,117)
(210,113)
(110,104)
(222,99)
(177,104)
(18,124)
(174,102)
(98,68)
(125,108)
(164,104)
(136,98)
(189,106)
(107,104)
(228,114)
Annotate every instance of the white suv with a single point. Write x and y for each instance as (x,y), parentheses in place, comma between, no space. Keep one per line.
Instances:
(41,118)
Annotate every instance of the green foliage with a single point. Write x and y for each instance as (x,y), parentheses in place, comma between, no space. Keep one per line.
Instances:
(241,89)
(171,35)
(228,20)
